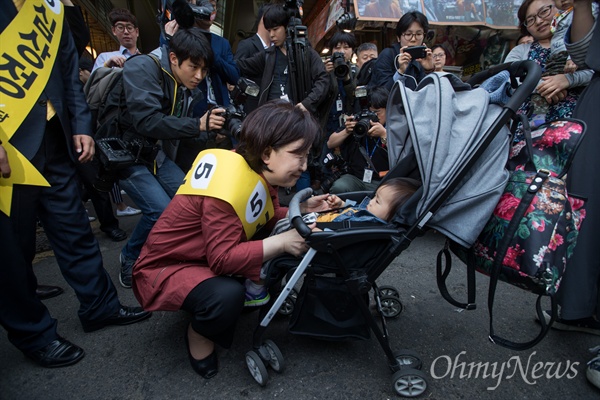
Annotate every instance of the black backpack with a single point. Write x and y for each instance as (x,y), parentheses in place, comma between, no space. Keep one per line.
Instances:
(106,98)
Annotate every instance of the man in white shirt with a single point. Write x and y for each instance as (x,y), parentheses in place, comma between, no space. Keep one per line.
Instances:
(125,29)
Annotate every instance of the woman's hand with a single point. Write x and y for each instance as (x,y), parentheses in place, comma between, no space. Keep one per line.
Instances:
(287,242)
(322,202)
(402,60)
(553,88)
(427,62)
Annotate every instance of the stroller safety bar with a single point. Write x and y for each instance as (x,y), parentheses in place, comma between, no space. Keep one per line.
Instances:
(295,214)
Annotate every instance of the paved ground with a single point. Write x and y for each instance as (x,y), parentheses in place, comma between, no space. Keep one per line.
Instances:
(148,360)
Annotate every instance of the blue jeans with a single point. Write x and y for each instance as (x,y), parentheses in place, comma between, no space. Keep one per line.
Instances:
(151,194)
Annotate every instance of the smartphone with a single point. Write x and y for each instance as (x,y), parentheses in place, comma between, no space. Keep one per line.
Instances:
(416,52)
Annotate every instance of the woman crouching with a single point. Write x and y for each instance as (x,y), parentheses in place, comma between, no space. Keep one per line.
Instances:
(202,242)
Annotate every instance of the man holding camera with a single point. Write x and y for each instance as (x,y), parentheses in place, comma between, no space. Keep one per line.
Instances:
(342,45)
(125,29)
(363,144)
(159,101)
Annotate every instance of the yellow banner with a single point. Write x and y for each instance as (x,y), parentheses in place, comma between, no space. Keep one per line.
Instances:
(29,48)
(225,175)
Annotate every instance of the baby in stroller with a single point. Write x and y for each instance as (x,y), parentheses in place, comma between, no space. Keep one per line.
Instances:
(388,198)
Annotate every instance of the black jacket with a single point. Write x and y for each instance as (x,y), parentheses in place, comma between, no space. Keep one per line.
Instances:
(264,65)
(150,99)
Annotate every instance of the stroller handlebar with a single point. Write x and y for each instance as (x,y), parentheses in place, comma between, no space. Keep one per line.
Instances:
(295,215)
(527,71)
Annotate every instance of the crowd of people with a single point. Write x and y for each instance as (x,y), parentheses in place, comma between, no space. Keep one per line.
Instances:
(191,245)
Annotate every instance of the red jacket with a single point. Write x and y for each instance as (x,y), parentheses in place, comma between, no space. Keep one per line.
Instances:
(195,238)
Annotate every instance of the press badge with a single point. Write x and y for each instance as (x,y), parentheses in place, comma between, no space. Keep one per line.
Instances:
(339,105)
(368,175)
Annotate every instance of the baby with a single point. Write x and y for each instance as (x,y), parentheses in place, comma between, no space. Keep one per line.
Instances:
(389,197)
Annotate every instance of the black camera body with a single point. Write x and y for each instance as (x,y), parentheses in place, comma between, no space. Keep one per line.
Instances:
(183,12)
(341,69)
(114,154)
(416,52)
(234,113)
(364,118)
(337,166)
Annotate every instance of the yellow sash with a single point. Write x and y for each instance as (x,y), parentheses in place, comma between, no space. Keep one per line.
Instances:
(29,45)
(29,49)
(225,175)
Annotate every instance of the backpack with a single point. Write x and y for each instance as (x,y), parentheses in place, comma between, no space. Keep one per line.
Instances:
(106,99)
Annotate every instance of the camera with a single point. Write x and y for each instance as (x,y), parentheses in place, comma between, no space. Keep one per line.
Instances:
(416,52)
(341,69)
(183,12)
(365,116)
(337,166)
(234,113)
(115,154)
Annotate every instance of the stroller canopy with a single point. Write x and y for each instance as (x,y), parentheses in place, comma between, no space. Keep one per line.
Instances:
(440,125)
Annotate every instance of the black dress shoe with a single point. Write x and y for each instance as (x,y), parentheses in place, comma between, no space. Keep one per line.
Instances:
(116,234)
(44,292)
(125,316)
(208,366)
(59,353)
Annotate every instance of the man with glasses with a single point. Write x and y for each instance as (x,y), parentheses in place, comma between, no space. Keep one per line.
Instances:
(125,29)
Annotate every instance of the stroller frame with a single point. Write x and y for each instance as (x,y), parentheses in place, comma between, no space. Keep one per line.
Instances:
(407,380)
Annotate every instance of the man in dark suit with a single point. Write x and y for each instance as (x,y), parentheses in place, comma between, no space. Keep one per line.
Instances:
(51,134)
(253,45)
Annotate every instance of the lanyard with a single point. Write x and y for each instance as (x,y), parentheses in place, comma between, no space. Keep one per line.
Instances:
(374,147)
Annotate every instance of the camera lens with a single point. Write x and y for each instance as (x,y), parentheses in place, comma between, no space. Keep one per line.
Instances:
(362,127)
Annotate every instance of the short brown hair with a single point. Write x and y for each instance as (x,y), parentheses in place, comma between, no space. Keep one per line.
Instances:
(403,189)
(275,124)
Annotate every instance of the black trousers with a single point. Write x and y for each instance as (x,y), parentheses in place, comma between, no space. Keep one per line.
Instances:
(26,319)
(216,305)
(65,222)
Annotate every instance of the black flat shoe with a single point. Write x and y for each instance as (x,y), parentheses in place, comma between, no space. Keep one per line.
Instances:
(125,316)
(59,353)
(208,367)
(44,292)
(116,234)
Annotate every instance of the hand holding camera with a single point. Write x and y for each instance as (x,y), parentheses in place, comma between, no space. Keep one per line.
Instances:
(422,54)
(212,120)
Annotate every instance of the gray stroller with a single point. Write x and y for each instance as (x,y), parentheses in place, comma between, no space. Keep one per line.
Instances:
(458,150)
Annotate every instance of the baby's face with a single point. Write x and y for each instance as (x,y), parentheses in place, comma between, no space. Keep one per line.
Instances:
(379,205)
(563,4)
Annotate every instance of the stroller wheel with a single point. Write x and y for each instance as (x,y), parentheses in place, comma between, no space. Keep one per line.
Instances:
(391,306)
(257,368)
(389,291)
(287,308)
(408,359)
(275,359)
(409,382)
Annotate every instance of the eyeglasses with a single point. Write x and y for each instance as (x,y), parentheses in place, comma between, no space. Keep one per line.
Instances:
(440,55)
(123,27)
(542,14)
(410,35)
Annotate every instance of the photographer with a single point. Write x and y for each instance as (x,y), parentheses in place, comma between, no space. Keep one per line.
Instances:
(223,71)
(158,104)
(398,61)
(342,45)
(365,155)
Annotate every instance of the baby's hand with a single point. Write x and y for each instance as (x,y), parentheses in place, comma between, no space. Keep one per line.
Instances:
(334,201)
(570,67)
